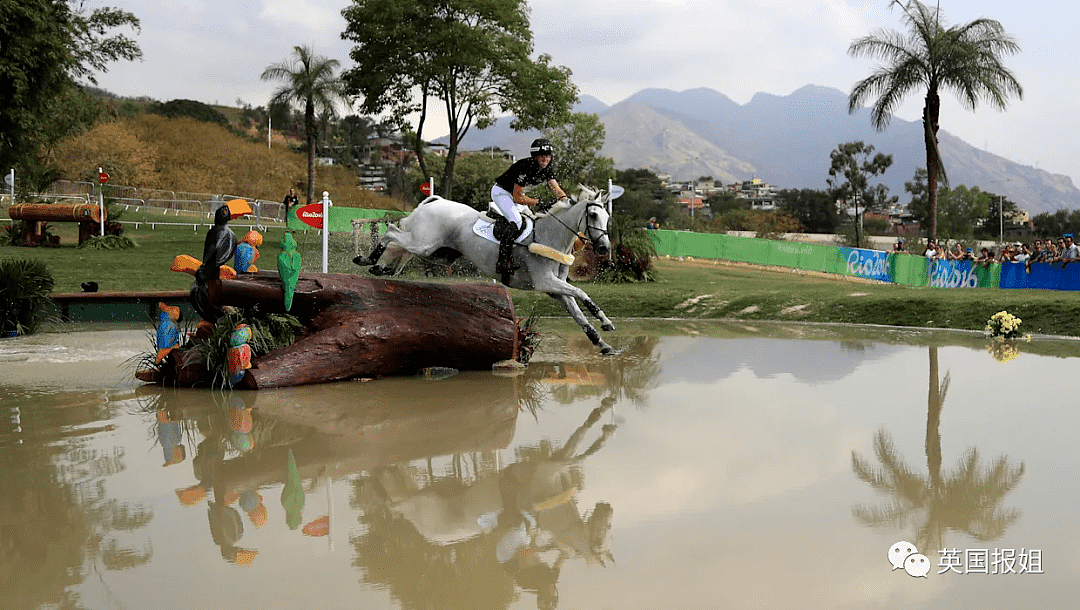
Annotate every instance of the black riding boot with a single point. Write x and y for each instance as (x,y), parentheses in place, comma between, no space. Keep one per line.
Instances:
(507,233)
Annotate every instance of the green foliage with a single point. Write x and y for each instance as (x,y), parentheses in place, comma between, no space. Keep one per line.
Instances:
(814,210)
(269,331)
(473,58)
(855,163)
(48,45)
(25,286)
(577,147)
(190,108)
(475,173)
(529,338)
(108,242)
(721,203)
(633,249)
(1054,224)
(645,196)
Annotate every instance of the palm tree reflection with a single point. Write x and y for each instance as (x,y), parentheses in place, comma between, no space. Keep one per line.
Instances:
(963,500)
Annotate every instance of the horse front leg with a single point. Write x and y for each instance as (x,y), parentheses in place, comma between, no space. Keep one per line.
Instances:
(575,312)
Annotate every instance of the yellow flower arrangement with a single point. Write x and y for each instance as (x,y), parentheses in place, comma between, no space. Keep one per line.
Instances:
(1003,324)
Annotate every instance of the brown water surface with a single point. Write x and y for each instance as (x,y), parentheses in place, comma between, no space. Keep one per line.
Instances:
(708,465)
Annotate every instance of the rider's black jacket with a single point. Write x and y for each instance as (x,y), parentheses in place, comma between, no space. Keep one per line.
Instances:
(526,172)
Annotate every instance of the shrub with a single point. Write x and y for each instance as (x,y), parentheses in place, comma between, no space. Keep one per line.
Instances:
(24,295)
(632,251)
(108,242)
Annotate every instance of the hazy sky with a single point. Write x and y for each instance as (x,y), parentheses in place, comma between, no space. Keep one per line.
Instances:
(215,51)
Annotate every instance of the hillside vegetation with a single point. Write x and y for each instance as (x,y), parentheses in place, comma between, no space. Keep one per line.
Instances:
(183,154)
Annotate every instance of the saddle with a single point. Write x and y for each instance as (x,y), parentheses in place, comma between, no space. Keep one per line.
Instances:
(489,225)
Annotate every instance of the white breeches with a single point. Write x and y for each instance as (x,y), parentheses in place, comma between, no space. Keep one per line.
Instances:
(505,202)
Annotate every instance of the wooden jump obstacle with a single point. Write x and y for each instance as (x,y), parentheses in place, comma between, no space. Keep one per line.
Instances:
(360,327)
(35,215)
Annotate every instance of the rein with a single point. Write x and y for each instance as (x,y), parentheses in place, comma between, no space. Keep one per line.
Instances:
(588,228)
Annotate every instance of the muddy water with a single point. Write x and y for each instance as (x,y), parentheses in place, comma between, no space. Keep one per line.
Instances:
(706,466)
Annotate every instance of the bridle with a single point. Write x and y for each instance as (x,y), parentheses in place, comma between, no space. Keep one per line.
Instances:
(588,230)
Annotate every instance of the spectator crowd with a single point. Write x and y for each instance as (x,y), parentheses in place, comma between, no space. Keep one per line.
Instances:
(1064,250)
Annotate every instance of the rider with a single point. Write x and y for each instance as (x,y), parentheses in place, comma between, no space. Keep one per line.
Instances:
(509,191)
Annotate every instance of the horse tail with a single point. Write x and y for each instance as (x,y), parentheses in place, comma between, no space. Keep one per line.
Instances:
(428,199)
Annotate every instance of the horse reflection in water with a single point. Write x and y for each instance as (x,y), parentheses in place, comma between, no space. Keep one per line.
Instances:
(524,516)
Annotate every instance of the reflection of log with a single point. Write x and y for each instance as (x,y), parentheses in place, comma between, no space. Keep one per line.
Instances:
(365,327)
(345,429)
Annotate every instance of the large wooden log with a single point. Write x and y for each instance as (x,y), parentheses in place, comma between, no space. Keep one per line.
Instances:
(367,327)
(59,212)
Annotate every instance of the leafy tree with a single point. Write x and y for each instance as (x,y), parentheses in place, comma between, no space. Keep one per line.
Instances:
(311,83)
(645,195)
(963,58)
(726,201)
(815,210)
(962,213)
(998,212)
(476,173)
(471,57)
(190,108)
(1053,224)
(853,161)
(48,47)
(960,209)
(577,159)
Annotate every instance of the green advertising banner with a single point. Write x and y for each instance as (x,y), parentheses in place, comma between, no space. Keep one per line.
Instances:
(340,217)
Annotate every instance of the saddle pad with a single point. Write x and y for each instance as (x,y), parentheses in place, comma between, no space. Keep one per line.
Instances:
(485,225)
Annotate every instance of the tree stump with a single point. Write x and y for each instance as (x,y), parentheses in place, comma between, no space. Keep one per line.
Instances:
(367,327)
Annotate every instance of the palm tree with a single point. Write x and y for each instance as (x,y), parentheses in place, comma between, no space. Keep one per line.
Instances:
(309,81)
(963,58)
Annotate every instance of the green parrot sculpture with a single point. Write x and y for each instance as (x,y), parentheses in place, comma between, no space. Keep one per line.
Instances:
(288,265)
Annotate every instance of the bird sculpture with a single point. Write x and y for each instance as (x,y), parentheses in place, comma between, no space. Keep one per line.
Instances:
(219,246)
(168,333)
(247,252)
(288,264)
(239,355)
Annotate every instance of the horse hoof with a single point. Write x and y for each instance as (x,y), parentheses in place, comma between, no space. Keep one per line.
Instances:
(375,270)
(607,327)
(361,260)
(607,350)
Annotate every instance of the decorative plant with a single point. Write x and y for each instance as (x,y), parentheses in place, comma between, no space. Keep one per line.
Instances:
(268,332)
(528,338)
(25,286)
(632,251)
(1003,324)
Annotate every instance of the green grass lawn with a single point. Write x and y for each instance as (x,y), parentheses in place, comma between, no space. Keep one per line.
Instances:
(698,289)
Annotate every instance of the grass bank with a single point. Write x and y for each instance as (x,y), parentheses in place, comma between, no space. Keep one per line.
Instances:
(698,289)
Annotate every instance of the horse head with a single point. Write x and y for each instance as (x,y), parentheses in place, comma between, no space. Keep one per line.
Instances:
(594,223)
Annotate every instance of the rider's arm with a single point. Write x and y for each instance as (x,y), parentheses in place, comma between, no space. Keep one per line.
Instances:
(521,198)
(559,194)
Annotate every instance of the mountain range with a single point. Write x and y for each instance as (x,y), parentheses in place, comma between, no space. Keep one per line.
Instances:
(785,141)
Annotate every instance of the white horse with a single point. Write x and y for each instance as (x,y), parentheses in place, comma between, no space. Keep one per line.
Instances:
(444,230)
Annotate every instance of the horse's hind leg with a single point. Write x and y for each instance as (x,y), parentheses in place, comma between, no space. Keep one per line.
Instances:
(376,254)
(575,312)
(392,259)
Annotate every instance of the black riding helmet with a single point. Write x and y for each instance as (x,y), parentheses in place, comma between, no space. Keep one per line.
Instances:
(541,146)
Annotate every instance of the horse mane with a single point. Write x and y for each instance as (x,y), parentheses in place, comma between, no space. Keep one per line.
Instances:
(584,193)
